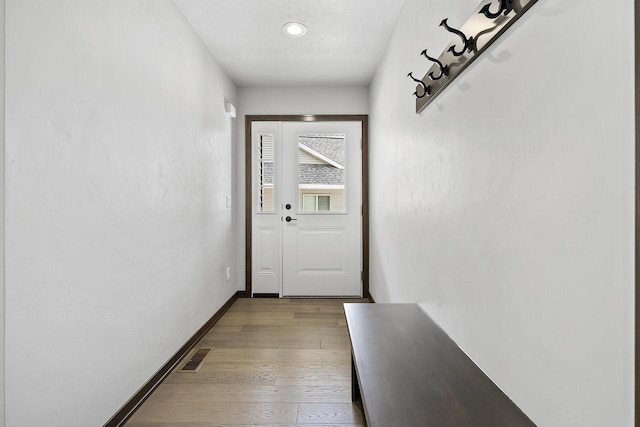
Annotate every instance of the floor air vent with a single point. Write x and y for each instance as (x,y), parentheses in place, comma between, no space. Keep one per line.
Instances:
(196,360)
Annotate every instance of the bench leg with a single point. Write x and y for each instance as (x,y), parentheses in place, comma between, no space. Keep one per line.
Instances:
(355,387)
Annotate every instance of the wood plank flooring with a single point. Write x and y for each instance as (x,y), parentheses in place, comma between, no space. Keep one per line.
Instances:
(273,362)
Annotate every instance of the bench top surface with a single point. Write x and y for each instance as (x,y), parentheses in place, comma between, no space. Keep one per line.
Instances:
(412,374)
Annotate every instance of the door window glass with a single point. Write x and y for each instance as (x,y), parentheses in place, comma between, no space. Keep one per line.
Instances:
(321,172)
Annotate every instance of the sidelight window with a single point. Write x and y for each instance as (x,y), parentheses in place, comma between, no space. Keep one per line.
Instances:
(266,173)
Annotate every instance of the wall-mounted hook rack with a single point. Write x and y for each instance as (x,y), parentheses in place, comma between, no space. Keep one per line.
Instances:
(485,26)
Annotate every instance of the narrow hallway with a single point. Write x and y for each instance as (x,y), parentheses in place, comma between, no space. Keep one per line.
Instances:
(507,209)
(272,362)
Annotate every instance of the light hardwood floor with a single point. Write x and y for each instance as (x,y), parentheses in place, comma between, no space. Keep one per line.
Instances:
(273,362)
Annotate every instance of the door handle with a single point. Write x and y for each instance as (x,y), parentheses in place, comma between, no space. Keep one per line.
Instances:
(289,219)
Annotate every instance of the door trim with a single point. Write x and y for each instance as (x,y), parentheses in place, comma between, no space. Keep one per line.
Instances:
(364,121)
(637,212)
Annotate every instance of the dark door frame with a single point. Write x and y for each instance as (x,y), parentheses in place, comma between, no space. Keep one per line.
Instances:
(364,120)
(637,203)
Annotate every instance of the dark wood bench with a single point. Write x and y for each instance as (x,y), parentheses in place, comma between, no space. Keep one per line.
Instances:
(408,372)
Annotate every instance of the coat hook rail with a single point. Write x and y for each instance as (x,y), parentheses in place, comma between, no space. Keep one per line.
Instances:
(484,26)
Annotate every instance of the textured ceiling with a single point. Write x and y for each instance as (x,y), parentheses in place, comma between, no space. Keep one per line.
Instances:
(344,44)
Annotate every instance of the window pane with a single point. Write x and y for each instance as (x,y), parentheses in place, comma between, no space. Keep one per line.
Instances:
(266,173)
(321,172)
(308,202)
(323,203)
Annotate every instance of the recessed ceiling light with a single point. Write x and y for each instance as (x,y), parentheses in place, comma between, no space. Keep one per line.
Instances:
(294,29)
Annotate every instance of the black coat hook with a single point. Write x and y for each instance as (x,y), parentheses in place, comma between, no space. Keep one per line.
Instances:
(506,6)
(426,90)
(469,44)
(444,69)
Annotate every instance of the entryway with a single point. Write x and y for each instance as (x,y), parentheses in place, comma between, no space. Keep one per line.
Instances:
(306,206)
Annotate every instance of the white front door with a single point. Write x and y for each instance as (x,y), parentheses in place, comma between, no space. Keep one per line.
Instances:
(307,221)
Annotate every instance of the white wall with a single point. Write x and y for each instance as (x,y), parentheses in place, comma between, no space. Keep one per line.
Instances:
(506,208)
(284,100)
(118,157)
